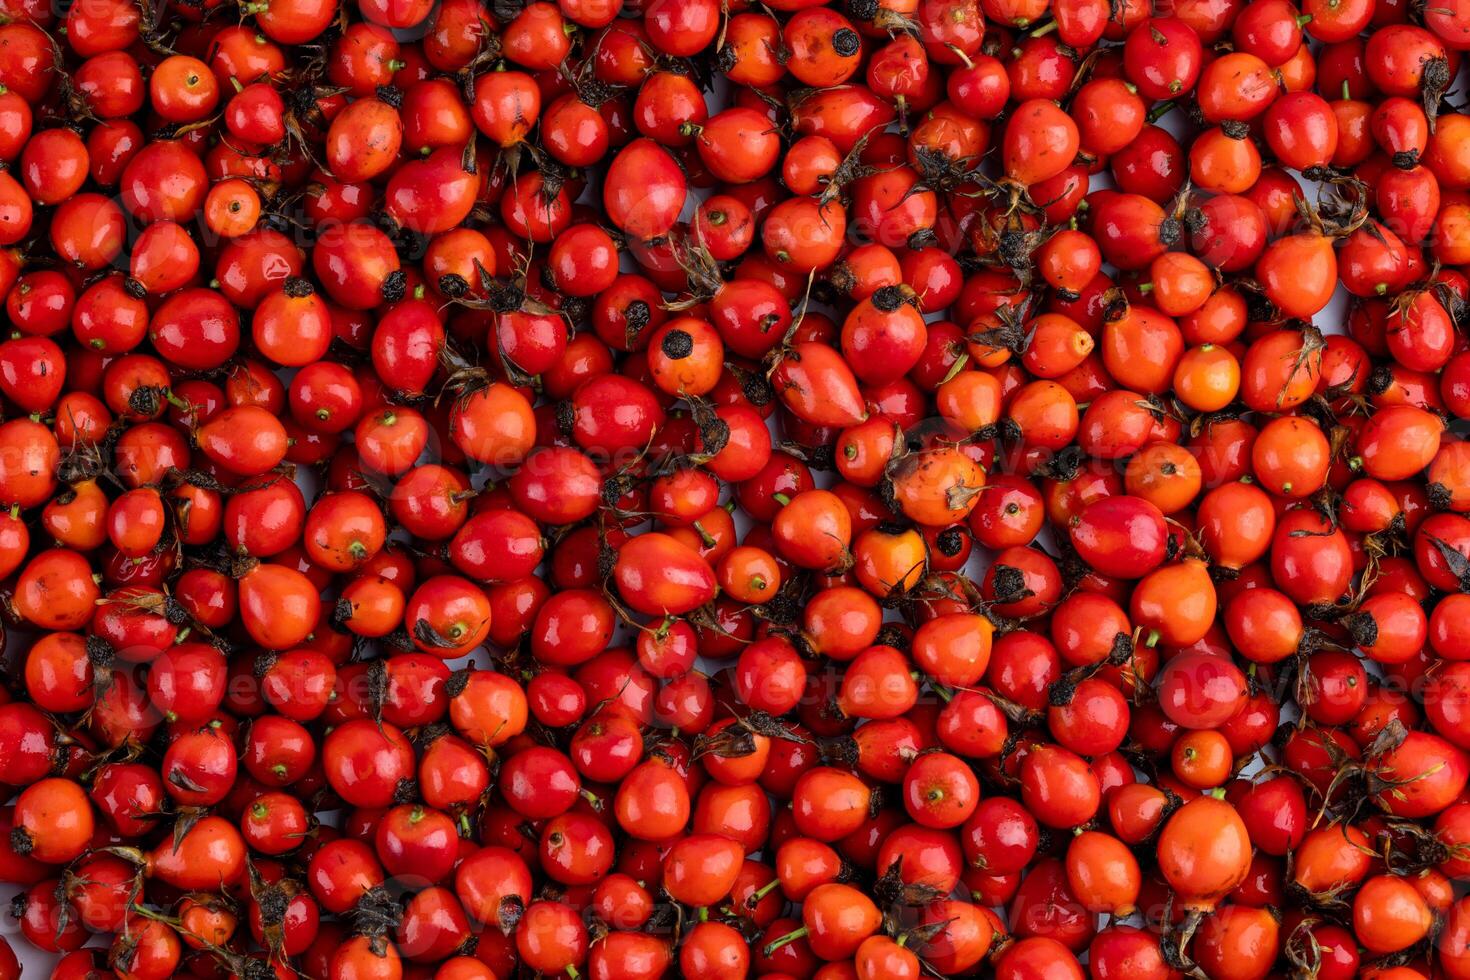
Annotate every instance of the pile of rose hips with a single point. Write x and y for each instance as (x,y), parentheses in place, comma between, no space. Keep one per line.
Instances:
(714,489)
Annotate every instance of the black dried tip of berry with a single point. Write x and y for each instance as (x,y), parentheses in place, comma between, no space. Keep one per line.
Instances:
(1014,250)
(263,663)
(574,308)
(822,459)
(1066,464)
(145,400)
(1195,221)
(1380,380)
(1435,80)
(174,612)
(970,263)
(20,841)
(1258,307)
(1061,693)
(1440,497)
(505,298)
(18,906)
(1170,231)
(841,750)
(430,734)
(453,285)
(376,913)
(297,287)
(1437,72)
(253,969)
(613,489)
(636,315)
(677,345)
(1008,581)
(1122,650)
(862,9)
(1235,129)
(273,903)
(888,495)
(893,635)
(510,912)
(1406,159)
(923,238)
(845,42)
(455,686)
(303,100)
(395,287)
(406,791)
(390,94)
(78,466)
(607,560)
(134,288)
(1115,310)
(1362,627)
(411,246)
(949,542)
(715,435)
(665,919)
(726,58)
(377,678)
(594,92)
(1008,431)
(888,298)
(757,390)
(783,609)
(842,279)
(100,653)
(342,611)
(566,417)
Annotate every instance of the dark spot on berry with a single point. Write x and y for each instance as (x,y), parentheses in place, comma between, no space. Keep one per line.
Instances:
(297,287)
(846,42)
(887,299)
(677,345)
(566,417)
(395,287)
(1170,231)
(950,542)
